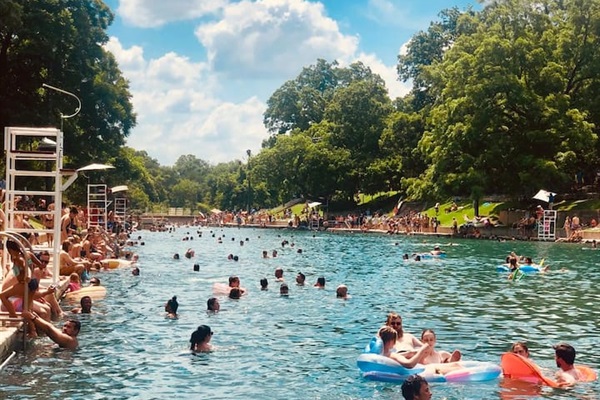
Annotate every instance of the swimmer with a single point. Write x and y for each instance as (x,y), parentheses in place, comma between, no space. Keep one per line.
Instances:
(279,275)
(86,306)
(264,284)
(212,305)
(436,357)
(135,271)
(415,387)
(200,339)
(300,279)
(320,282)
(171,308)
(235,293)
(342,292)
(284,290)
(520,348)
(565,354)
(436,251)
(65,338)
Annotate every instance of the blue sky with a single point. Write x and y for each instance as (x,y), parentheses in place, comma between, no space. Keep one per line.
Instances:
(201,71)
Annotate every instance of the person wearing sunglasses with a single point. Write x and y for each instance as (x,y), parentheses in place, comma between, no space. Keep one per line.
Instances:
(200,339)
(405,342)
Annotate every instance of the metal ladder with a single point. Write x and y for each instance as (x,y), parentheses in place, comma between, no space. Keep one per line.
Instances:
(96,206)
(547,226)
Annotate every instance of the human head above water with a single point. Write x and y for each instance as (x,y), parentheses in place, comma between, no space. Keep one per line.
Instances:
(520,348)
(415,387)
(200,335)
(264,284)
(213,304)
(320,282)
(565,352)
(235,293)
(234,281)
(341,291)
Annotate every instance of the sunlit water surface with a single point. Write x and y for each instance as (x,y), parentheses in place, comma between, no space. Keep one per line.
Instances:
(305,346)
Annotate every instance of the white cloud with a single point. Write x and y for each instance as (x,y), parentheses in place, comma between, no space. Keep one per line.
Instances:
(387,73)
(273,39)
(179,111)
(153,13)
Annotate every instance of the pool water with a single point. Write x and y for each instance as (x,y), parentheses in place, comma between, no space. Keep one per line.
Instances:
(305,346)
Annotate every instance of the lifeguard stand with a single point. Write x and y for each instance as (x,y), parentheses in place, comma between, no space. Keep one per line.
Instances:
(120,206)
(34,157)
(547,226)
(96,205)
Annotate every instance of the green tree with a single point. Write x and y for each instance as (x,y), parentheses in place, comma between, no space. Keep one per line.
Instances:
(59,42)
(506,119)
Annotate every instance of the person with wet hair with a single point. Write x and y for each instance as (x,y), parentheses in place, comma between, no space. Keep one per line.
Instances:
(199,341)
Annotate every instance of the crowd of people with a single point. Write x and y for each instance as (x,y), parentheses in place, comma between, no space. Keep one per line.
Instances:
(83,251)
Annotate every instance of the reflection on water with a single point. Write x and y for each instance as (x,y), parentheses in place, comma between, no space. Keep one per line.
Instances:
(305,346)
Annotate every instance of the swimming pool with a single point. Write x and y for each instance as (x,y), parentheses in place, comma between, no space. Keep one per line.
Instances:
(305,346)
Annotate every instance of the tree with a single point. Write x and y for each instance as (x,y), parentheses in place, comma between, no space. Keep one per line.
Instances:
(506,119)
(59,42)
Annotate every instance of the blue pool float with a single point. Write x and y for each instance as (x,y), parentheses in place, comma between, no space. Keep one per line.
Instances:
(528,269)
(383,369)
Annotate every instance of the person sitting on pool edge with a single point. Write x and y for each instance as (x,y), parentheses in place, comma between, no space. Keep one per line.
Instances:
(389,336)
(200,339)
(415,387)
(565,354)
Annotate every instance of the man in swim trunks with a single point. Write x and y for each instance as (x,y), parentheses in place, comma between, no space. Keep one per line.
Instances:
(564,354)
(65,338)
(406,342)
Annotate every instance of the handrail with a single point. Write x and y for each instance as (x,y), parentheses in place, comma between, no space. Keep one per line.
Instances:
(5,363)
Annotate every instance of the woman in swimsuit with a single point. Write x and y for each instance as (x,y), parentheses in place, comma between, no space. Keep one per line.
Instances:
(432,356)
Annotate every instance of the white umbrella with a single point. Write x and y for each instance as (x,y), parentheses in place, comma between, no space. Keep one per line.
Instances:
(121,188)
(95,167)
(544,195)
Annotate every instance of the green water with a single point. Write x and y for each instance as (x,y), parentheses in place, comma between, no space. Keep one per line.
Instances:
(305,346)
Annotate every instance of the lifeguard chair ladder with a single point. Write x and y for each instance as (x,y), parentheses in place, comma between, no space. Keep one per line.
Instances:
(121,209)
(96,205)
(34,168)
(547,226)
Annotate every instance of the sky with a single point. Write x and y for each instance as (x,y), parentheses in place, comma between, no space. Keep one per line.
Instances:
(201,71)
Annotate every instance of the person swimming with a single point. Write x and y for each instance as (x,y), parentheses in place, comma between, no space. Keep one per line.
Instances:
(200,339)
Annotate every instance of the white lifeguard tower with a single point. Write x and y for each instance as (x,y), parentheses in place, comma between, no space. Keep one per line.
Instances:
(34,156)
(547,226)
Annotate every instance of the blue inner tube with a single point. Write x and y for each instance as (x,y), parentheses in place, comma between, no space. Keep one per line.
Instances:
(533,268)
